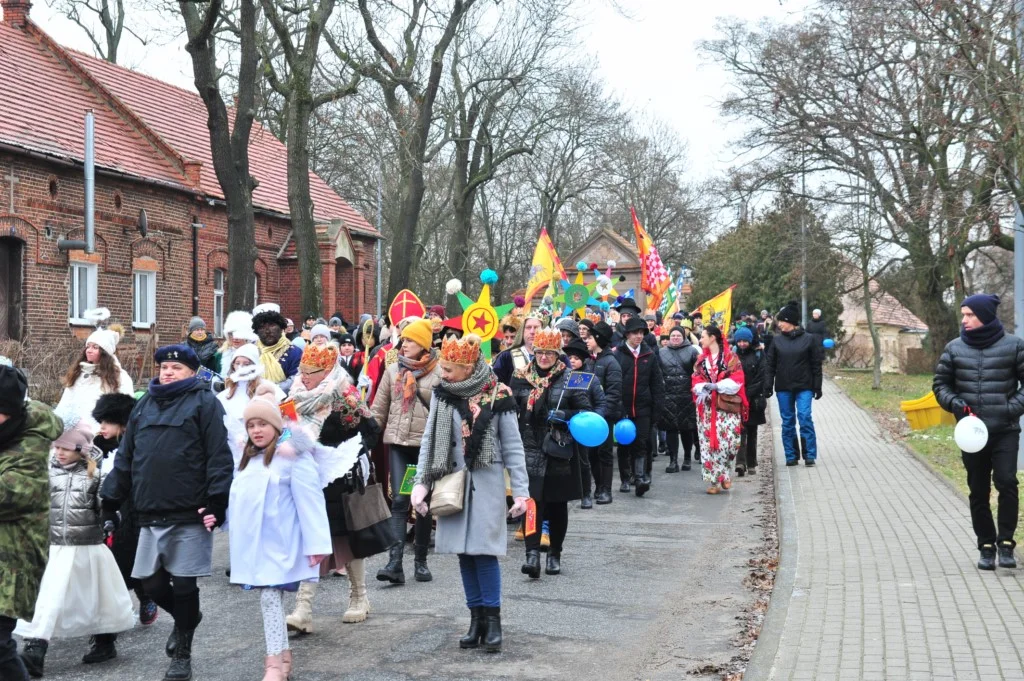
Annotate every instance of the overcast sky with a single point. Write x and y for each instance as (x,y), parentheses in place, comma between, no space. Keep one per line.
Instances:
(649,59)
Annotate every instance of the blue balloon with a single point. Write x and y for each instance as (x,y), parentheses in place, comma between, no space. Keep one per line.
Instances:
(829,343)
(625,432)
(589,429)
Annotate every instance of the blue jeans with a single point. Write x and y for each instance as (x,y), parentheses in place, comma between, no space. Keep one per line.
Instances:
(481,580)
(793,406)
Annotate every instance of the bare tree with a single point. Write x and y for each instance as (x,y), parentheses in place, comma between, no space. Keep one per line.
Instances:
(229,136)
(106,38)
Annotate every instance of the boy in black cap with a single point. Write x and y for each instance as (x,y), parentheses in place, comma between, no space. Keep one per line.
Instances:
(643,393)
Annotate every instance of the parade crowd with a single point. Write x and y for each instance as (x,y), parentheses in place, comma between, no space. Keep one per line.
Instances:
(317,445)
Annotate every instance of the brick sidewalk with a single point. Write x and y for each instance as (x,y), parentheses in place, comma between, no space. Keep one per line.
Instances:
(881,557)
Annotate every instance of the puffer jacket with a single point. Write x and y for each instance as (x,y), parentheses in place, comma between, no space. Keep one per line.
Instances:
(988,380)
(680,413)
(174,458)
(753,383)
(404,428)
(609,373)
(23,511)
(643,388)
(74,505)
(533,425)
(793,363)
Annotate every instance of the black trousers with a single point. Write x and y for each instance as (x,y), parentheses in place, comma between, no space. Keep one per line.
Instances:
(401,457)
(601,460)
(586,464)
(996,463)
(747,456)
(687,437)
(639,449)
(179,596)
(11,667)
(557,515)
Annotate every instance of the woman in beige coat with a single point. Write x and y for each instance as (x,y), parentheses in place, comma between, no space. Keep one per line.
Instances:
(401,407)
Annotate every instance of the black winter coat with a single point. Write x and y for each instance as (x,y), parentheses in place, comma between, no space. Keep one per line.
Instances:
(753,383)
(173,459)
(817,327)
(550,479)
(680,412)
(793,363)
(988,380)
(643,388)
(609,373)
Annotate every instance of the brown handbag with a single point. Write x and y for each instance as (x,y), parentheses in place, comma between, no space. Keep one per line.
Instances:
(729,404)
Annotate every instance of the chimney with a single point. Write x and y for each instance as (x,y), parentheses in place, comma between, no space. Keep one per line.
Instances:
(16,12)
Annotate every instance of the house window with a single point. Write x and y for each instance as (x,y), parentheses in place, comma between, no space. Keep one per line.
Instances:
(144,299)
(218,303)
(81,292)
(255,290)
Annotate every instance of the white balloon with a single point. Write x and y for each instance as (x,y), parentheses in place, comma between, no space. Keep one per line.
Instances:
(971,434)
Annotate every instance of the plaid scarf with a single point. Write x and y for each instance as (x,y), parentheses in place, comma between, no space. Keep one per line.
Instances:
(476,399)
(538,383)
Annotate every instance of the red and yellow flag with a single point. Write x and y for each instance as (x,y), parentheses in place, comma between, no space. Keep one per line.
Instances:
(546,267)
(654,278)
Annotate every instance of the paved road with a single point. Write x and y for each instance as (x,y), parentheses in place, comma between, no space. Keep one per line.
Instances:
(651,589)
(880,559)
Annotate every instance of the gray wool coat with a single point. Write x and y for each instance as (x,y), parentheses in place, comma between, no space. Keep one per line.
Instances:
(480,530)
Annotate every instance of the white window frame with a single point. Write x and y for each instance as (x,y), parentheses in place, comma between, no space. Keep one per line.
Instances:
(255,290)
(218,302)
(149,303)
(75,313)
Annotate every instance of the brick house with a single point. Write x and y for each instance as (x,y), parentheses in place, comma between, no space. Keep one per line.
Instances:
(152,155)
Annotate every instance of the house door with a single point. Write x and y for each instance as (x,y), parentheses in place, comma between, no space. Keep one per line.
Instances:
(10,288)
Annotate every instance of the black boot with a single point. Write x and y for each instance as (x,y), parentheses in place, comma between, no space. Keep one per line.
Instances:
(986,562)
(420,570)
(477,629)
(673,464)
(643,483)
(492,636)
(554,566)
(603,496)
(604,489)
(1006,557)
(393,572)
(624,487)
(686,464)
(532,565)
(172,640)
(587,502)
(102,649)
(181,663)
(33,654)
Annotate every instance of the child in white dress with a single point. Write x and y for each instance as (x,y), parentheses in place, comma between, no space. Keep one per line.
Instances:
(279,528)
(82,591)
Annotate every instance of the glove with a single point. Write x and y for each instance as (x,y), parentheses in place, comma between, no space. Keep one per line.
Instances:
(556,415)
(710,387)
(108,517)
(214,514)
(419,499)
(369,431)
(959,406)
(817,394)
(518,507)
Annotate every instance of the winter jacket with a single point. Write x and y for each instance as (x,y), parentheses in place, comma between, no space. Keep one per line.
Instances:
(643,387)
(988,380)
(74,505)
(609,373)
(753,374)
(550,479)
(174,458)
(80,399)
(208,352)
(817,327)
(404,428)
(354,365)
(793,363)
(23,511)
(595,393)
(680,413)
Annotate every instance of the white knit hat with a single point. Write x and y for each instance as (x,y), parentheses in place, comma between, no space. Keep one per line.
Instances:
(320,330)
(249,351)
(105,339)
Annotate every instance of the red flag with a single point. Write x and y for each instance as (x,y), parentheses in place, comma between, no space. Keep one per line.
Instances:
(654,278)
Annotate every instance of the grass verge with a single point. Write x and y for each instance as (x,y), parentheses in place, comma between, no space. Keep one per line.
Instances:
(935,445)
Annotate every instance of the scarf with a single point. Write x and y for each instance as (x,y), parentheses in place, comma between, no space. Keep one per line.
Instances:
(476,399)
(269,356)
(712,370)
(983,336)
(538,383)
(166,391)
(409,372)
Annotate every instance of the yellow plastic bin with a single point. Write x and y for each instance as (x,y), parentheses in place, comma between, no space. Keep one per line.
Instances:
(925,412)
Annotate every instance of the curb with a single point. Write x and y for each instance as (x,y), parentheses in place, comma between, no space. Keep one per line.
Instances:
(762,663)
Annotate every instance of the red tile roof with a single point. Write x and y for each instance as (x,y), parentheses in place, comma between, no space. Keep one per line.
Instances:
(144,127)
(885,309)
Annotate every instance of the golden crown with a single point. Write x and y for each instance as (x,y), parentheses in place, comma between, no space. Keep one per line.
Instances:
(461,350)
(547,339)
(319,357)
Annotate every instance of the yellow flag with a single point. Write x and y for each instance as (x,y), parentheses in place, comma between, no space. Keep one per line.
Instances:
(546,268)
(718,310)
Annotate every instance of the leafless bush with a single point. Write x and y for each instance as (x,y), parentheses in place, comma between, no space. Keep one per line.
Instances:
(45,363)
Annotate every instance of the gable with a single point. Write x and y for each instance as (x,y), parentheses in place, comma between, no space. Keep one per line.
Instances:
(605,245)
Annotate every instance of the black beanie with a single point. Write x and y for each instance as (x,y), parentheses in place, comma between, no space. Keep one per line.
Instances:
(789,313)
(13,388)
(983,305)
(602,334)
(113,408)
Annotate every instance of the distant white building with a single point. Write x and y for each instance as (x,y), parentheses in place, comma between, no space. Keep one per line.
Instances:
(899,329)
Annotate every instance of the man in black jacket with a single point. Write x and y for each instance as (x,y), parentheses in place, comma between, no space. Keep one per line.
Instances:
(982,373)
(609,373)
(793,370)
(643,395)
(175,466)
